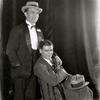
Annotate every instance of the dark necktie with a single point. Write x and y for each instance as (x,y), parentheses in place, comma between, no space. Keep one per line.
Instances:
(53,66)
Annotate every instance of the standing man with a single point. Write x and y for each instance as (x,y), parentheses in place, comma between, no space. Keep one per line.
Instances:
(22,52)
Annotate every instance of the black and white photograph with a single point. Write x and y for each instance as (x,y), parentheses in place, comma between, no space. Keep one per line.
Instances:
(49,49)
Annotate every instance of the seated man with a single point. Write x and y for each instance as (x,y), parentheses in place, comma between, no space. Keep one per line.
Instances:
(52,75)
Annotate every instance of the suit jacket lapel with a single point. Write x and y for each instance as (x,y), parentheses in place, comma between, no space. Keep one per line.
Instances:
(27,37)
(39,34)
(28,40)
(48,65)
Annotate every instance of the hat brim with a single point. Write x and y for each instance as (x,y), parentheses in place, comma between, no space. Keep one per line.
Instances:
(35,8)
(82,86)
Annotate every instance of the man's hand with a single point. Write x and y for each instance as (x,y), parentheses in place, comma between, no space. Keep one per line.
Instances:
(59,61)
(16,66)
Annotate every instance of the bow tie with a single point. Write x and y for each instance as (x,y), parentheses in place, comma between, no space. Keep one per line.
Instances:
(32,26)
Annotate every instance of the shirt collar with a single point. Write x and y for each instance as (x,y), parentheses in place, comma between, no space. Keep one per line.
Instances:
(29,24)
(48,61)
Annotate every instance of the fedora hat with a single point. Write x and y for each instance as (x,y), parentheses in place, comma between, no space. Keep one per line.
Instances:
(31,4)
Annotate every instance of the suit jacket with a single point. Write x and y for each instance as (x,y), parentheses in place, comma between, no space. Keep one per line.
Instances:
(19,50)
(49,79)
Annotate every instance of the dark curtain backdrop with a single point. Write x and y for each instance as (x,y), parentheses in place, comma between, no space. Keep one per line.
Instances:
(69,24)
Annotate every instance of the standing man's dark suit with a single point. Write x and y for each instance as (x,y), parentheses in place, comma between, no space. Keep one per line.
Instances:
(21,54)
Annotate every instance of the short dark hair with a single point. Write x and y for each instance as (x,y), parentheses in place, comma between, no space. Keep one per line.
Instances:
(45,43)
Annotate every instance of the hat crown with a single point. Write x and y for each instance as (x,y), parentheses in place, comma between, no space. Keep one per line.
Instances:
(32,3)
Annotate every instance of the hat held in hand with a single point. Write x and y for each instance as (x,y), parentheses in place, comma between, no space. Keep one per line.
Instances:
(78,81)
(31,4)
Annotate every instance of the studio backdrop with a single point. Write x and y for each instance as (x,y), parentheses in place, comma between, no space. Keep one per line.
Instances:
(69,24)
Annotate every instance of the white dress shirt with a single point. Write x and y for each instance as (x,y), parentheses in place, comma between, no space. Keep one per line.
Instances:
(33,35)
(48,61)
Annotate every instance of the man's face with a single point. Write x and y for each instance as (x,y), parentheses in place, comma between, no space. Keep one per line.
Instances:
(47,52)
(32,15)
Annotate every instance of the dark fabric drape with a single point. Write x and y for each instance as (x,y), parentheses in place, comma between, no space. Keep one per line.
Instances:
(47,18)
(1,5)
(63,21)
(6,26)
(89,33)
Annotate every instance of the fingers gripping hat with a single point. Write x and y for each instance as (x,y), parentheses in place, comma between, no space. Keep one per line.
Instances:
(31,4)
